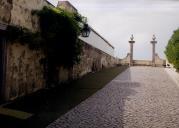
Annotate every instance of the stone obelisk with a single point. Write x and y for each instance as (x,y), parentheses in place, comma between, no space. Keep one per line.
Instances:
(153,42)
(131,42)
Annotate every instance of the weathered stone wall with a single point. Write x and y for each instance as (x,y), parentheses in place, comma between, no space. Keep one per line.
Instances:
(5,10)
(93,60)
(21,13)
(24,73)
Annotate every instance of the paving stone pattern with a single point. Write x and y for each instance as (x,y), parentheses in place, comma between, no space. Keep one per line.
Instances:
(140,97)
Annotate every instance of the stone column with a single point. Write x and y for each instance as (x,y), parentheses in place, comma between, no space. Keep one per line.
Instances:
(131,42)
(153,42)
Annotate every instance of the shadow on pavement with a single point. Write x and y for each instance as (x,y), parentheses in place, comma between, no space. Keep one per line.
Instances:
(48,105)
(105,109)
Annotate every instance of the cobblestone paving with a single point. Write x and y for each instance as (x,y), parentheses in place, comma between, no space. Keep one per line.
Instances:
(141,97)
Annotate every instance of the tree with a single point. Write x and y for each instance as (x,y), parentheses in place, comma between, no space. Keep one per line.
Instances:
(172,49)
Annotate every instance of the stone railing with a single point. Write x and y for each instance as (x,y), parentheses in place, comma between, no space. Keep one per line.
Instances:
(158,61)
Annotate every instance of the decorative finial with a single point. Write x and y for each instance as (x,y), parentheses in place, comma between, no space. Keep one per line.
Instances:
(154,37)
(132,37)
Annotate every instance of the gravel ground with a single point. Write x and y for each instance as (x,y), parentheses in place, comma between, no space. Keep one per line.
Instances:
(140,97)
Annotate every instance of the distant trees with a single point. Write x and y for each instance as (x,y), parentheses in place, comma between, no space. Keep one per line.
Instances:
(172,49)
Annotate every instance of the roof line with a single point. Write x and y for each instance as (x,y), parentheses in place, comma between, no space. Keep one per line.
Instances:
(102,37)
(50,3)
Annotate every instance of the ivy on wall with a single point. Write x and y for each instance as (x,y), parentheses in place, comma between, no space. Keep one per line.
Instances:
(60,31)
(172,49)
(24,36)
(57,38)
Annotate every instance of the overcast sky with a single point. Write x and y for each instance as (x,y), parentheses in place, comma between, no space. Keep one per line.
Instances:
(116,20)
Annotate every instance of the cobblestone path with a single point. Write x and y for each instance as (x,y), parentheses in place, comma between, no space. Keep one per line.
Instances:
(140,97)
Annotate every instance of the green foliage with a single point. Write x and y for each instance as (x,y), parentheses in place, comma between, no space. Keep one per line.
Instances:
(57,38)
(172,50)
(60,30)
(24,36)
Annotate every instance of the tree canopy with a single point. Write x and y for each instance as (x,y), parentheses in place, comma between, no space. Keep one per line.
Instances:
(172,49)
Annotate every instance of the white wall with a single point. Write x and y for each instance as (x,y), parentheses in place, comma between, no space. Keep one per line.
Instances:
(96,41)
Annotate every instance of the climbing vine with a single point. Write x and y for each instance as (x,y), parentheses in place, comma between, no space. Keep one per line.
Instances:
(57,37)
(60,30)
(24,36)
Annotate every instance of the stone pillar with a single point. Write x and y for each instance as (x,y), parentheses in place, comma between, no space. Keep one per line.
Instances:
(131,42)
(153,42)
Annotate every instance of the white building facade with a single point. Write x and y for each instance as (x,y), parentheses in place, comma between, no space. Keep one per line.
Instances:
(94,39)
(98,42)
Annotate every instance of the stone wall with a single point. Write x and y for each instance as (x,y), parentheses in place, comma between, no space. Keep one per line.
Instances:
(142,63)
(158,61)
(24,73)
(21,13)
(5,11)
(18,12)
(93,60)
